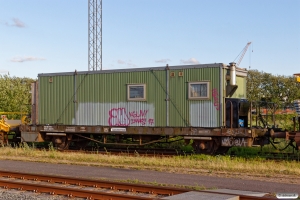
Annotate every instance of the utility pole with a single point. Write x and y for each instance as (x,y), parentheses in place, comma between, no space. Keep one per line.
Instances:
(95,35)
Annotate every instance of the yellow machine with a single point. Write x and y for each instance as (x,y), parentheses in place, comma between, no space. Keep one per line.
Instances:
(9,125)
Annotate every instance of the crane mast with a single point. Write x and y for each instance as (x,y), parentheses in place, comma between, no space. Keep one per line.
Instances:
(95,35)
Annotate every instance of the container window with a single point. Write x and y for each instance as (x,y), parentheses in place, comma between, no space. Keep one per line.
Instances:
(199,90)
(136,92)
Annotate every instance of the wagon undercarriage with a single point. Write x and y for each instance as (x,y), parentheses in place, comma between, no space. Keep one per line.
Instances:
(203,140)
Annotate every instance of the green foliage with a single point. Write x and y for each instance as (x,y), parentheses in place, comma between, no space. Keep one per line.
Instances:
(285,121)
(282,121)
(282,90)
(267,151)
(14,94)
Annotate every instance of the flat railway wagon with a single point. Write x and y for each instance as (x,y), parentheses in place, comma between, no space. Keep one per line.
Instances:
(205,103)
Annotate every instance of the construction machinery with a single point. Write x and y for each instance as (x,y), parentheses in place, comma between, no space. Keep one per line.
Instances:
(242,54)
(10,126)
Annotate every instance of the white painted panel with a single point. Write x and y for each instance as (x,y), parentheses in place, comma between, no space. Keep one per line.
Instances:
(115,114)
(204,114)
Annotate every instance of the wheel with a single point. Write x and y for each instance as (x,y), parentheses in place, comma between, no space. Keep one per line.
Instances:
(205,146)
(61,142)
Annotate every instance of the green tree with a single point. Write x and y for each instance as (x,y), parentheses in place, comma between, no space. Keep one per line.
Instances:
(15,94)
(282,90)
(254,85)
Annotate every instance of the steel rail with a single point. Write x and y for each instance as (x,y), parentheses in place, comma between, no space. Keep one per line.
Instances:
(150,189)
(96,184)
(70,192)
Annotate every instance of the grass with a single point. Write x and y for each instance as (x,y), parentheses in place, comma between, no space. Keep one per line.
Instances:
(192,164)
(155,183)
(267,151)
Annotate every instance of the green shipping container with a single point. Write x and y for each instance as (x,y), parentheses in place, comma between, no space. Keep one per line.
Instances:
(175,96)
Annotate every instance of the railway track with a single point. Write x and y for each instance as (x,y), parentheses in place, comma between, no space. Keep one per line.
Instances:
(92,189)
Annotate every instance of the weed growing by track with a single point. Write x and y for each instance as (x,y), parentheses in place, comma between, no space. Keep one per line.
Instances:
(191,164)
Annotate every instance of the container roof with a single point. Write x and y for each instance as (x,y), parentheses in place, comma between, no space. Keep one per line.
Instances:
(177,67)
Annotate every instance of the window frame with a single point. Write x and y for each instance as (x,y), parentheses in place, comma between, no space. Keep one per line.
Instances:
(199,98)
(136,99)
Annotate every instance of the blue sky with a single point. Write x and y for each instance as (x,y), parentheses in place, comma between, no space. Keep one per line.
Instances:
(45,36)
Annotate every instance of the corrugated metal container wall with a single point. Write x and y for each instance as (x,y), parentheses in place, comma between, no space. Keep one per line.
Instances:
(56,99)
(241,82)
(197,113)
(102,99)
(241,90)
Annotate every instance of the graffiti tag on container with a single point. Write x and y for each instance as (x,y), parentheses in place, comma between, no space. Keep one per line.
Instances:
(120,117)
(215,96)
(240,142)
(234,132)
(136,114)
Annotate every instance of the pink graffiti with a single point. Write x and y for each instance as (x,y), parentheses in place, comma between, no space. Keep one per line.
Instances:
(138,121)
(215,96)
(151,121)
(135,114)
(119,117)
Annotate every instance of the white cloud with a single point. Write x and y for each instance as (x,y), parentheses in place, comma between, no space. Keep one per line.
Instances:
(2,71)
(163,60)
(190,61)
(24,59)
(16,22)
(121,62)
(128,63)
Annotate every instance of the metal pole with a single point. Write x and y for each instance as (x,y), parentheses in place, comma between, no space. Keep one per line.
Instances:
(167,95)
(95,35)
